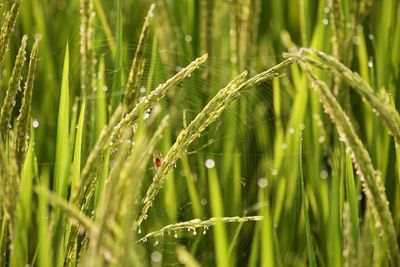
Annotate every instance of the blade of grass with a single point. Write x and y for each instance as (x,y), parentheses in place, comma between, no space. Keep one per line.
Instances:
(310,244)
(45,248)
(21,241)
(116,88)
(334,241)
(220,237)
(351,194)
(62,146)
(105,25)
(76,166)
(267,239)
(62,157)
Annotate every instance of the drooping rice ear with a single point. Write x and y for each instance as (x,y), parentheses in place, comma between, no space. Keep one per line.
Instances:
(24,117)
(7,28)
(14,85)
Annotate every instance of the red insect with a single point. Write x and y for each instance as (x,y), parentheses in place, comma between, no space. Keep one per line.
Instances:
(157,160)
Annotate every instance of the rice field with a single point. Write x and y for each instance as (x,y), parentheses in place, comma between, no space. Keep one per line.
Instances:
(199,133)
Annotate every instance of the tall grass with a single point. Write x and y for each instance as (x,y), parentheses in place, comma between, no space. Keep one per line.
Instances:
(190,135)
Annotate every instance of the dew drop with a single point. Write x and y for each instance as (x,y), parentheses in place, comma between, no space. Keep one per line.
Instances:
(262,182)
(370,63)
(284,146)
(146,116)
(323,174)
(371,36)
(210,163)
(356,40)
(325,22)
(188,38)
(291,130)
(35,123)
(233,60)
(156,256)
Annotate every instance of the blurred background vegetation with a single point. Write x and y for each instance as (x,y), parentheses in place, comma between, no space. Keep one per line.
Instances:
(255,144)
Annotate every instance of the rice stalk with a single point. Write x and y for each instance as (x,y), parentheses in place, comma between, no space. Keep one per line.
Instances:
(137,66)
(123,189)
(363,8)
(86,33)
(89,176)
(111,132)
(380,103)
(370,178)
(338,45)
(349,246)
(14,85)
(208,115)
(24,117)
(106,26)
(208,18)
(239,20)
(118,60)
(9,186)
(7,28)
(54,200)
(194,224)
(88,64)
(156,95)
(337,25)
(305,202)
(108,226)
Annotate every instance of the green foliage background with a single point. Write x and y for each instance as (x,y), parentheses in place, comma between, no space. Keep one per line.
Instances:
(276,153)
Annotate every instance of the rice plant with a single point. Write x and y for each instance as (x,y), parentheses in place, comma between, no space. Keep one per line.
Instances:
(199,133)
